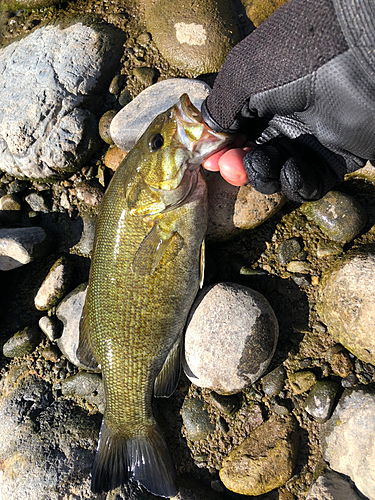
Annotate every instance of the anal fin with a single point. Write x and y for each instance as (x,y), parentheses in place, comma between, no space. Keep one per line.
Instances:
(85,352)
(167,380)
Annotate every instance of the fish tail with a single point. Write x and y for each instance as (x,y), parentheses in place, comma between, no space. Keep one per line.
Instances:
(144,458)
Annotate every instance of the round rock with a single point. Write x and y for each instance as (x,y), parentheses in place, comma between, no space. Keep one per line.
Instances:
(44,81)
(232,210)
(332,486)
(338,215)
(10,209)
(319,403)
(230,339)
(265,460)
(23,342)
(346,302)
(196,419)
(347,439)
(135,117)
(195,39)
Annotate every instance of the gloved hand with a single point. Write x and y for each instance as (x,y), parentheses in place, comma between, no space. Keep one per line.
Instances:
(302,85)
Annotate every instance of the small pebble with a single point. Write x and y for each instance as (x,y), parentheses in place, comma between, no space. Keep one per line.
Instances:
(64,201)
(328,249)
(320,401)
(10,209)
(288,250)
(19,246)
(37,203)
(144,75)
(124,98)
(22,343)
(114,157)
(104,124)
(302,381)
(51,353)
(116,84)
(196,419)
(227,404)
(144,39)
(51,327)
(297,266)
(273,382)
(350,381)
(89,193)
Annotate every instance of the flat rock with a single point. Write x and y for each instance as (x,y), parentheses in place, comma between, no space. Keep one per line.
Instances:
(338,215)
(347,439)
(194,38)
(19,246)
(130,123)
(45,78)
(232,209)
(332,486)
(346,302)
(69,312)
(46,447)
(55,285)
(230,339)
(265,460)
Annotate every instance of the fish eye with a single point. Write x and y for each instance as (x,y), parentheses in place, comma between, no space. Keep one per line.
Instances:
(156,143)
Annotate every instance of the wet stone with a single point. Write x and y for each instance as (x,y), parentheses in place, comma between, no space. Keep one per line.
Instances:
(265,460)
(297,266)
(321,399)
(19,246)
(196,419)
(56,284)
(347,439)
(104,124)
(338,215)
(273,382)
(226,404)
(302,381)
(230,339)
(124,98)
(10,209)
(23,342)
(346,302)
(288,250)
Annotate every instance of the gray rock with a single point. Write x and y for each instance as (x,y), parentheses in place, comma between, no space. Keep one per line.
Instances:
(55,285)
(288,250)
(145,75)
(273,383)
(265,460)
(85,245)
(135,117)
(49,327)
(90,193)
(37,202)
(338,215)
(230,339)
(196,419)
(88,386)
(69,312)
(347,439)
(195,40)
(19,246)
(45,75)
(46,447)
(332,486)
(321,399)
(232,209)
(346,302)
(23,342)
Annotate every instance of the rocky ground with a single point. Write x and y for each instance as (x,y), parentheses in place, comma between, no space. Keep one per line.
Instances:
(280,406)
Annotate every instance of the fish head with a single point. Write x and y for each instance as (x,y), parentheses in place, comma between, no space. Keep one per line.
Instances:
(172,149)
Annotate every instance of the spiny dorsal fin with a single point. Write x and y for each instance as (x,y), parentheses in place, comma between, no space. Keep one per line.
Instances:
(152,249)
(167,380)
(85,352)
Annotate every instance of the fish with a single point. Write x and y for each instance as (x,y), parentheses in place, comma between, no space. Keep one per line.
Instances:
(146,269)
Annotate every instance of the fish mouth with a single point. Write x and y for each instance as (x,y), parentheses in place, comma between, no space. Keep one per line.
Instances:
(194,135)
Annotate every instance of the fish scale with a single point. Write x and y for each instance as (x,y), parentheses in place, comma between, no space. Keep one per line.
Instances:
(144,276)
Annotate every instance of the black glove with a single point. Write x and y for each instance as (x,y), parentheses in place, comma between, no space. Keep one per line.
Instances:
(302,85)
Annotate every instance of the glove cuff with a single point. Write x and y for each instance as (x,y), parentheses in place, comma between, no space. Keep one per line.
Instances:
(210,122)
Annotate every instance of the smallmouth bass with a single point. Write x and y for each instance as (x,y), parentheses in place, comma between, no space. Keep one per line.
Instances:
(144,276)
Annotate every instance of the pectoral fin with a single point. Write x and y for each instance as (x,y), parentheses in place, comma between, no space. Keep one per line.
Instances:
(167,380)
(85,352)
(152,249)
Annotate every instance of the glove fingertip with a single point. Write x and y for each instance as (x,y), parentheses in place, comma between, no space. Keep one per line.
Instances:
(260,172)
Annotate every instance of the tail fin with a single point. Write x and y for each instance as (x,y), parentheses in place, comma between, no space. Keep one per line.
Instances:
(145,459)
